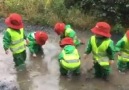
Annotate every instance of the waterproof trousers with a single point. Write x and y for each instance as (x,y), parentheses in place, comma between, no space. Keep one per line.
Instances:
(19,58)
(101,71)
(64,71)
(122,65)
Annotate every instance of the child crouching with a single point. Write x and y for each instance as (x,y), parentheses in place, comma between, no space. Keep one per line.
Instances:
(36,40)
(69,58)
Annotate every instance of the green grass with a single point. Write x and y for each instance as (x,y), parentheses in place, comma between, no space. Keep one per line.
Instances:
(46,12)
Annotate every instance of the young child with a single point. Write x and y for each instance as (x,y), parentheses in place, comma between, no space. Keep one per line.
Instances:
(122,47)
(36,40)
(69,58)
(102,48)
(66,31)
(14,37)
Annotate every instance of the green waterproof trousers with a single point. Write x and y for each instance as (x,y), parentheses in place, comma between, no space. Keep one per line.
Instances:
(122,66)
(19,58)
(101,71)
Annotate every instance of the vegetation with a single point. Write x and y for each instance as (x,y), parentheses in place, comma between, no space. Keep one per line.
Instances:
(46,12)
(79,13)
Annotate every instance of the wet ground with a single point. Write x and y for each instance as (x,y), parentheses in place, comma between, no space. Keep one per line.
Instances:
(42,73)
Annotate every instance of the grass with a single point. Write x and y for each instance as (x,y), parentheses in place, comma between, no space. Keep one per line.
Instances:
(46,12)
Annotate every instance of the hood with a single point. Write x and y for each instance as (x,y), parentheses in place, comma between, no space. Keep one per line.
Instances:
(69,49)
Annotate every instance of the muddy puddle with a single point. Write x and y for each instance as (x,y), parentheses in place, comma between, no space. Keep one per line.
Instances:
(42,73)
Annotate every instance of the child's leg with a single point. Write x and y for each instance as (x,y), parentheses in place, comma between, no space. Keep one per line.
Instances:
(97,68)
(19,58)
(38,49)
(127,65)
(77,71)
(121,66)
(105,72)
(63,71)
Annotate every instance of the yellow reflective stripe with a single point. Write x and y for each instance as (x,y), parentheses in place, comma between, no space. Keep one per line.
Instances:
(104,63)
(18,41)
(124,57)
(71,61)
(70,65)
(18,48)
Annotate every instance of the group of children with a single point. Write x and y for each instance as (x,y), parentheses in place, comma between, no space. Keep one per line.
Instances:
(16,40)
(100,44)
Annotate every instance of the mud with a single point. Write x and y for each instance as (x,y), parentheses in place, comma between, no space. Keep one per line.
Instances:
(42,73)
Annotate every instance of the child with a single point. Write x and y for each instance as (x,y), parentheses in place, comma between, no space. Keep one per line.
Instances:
(66,31)
(14,38)
(36,40)
(102,48)
(69,58)
(122,46)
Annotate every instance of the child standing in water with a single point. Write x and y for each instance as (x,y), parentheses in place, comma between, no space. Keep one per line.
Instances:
(36,40)
(14,37)
(102,48)
(122,47)
(66,31)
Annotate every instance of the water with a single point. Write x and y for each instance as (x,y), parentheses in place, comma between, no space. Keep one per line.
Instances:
(42,73)
(8,77)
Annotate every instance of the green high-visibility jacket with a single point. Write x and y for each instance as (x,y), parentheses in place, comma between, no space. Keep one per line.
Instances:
(124,49)
(69,57)
(99,52)
(99,40)
(69,32)
(17,43)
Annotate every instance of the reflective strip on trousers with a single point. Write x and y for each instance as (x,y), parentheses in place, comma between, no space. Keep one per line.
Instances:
(71,61)
(103,61)
(18,48)
(17,41)
(124,57)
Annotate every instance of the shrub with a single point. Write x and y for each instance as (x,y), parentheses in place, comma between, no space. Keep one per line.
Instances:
(112,11)
(47,12)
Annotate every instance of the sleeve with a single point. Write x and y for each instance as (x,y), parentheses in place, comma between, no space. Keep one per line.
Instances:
(88,48)
(111,51)
(119,45)
(31,46)
(6,40)
(60,57)
(72,34)
(25,35)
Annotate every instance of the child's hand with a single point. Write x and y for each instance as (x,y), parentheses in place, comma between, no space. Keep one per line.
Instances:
(34,55)
(27,42)
(7,52)
(85,56)
(82,41)
(111,62)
